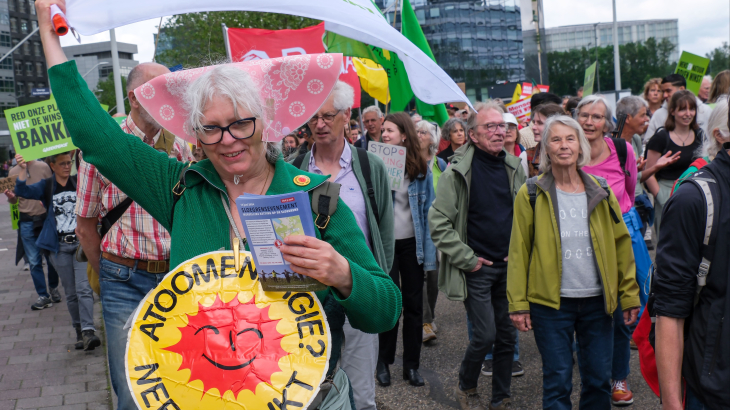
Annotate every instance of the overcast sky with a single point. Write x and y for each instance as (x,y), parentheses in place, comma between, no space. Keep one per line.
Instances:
(703,24)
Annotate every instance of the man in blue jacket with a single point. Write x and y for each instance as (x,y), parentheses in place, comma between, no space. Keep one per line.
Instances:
(58,194)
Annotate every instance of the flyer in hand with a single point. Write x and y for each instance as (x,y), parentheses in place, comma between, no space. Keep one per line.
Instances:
(267,220)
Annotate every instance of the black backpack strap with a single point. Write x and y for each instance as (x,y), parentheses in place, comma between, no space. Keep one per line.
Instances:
(298,160)
(532,191)
(48,193)
(324,204)
(179,188)
(604,184)
(621,152)
(113,216)
(362,155)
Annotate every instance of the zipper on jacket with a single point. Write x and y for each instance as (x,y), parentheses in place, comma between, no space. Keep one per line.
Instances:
(717,346)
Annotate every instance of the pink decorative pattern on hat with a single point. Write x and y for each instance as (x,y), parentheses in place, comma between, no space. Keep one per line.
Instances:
(290,88)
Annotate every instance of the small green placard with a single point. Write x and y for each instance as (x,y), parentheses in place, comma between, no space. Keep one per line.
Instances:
(120,120)
(692,68)
(14,215)
(589,79)
(37,130)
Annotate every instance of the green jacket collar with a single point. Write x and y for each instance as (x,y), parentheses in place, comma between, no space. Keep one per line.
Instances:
(462,159)
(282,183)
(594,192)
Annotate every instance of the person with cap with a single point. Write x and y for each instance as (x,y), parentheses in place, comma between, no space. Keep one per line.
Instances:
(512,143)
(224,108)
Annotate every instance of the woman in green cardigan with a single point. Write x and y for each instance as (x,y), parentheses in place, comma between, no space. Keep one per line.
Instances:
(226,114)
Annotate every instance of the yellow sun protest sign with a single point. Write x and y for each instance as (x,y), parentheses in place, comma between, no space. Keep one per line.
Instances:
(210,337)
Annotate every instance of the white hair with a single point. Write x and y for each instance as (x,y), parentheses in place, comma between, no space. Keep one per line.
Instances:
(630,105)
(373,108)
(707,77)
(607,112)
(584,157)
(228,82)
(344,96)
(431,129)
(717,121)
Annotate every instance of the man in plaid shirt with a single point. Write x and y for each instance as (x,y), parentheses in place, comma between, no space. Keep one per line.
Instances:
(132,257)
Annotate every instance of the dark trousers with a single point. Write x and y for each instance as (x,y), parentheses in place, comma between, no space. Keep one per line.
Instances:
(407,274)
(488,310)
(593,328)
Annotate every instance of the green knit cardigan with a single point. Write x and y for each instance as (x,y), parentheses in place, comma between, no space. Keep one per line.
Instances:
(199,223)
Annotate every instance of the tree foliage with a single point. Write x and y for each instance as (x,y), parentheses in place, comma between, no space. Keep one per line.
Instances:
(719,59)
(639,63)
(107,96)
(196,39)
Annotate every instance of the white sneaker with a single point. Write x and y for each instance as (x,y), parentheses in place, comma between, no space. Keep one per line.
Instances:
(26,266)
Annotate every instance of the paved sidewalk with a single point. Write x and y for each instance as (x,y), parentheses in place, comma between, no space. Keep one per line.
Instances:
(39,367)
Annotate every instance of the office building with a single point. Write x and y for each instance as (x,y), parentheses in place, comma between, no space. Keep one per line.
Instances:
(478,43)
(94,60)
(588,35)
(25,69)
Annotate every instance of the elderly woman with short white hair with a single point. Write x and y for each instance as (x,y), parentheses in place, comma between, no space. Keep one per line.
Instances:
(569,264)
(237,117)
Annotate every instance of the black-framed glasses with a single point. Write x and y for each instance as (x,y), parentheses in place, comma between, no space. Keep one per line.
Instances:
(327,118)
(241,129)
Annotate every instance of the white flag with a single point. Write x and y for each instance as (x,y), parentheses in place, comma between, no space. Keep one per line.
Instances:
(356,19)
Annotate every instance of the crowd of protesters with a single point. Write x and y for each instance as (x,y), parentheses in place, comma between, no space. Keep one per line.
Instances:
(543,225)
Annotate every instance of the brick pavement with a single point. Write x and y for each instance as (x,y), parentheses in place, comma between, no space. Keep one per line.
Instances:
(39,367)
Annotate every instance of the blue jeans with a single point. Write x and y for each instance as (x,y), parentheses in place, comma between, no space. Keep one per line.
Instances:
(692,402)
(36,263)
(79,296)
(554,329)
(122,289)
(489,355)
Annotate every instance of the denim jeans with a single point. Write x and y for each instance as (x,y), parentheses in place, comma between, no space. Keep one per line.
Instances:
(489,355)
(122,289)
(693,402)
(593,328)
(79,296)
(487,307)
(621,346)
(34,255)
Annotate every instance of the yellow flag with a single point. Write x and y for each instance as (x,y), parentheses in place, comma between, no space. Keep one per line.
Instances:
(518,92)
(373,79)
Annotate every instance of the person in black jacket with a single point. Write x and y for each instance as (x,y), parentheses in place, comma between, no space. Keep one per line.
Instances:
(692,340)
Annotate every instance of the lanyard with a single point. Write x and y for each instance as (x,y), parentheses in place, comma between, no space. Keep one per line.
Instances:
(237,241)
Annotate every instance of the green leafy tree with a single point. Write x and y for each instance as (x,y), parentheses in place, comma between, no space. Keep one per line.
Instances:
(106,93)
(196,39)
(639,63)
(719,59)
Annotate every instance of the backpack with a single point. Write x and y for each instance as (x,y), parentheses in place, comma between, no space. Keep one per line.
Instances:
(621,152)
(533,192)
(362,155)
(644,335)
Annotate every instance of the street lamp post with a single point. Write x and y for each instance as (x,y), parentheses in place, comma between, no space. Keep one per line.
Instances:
(598,79)
(92,69)
(616,61)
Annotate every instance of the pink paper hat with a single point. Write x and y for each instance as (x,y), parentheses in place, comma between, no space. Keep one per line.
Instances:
(292,90)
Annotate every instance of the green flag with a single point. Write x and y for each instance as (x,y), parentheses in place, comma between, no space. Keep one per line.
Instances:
(398,85)
(411,29)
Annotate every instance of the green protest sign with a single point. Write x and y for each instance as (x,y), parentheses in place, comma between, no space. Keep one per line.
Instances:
(37,130)
(692,68)
(14,215)
(590,78)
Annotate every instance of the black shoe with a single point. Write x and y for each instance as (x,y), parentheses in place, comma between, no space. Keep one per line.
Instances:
(91,341)
(382,374)
(42,303)
(487,368)
(517,369)
(55,295)
(413,377)
(79,338)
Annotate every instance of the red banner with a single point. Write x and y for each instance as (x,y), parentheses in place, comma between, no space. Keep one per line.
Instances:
(245,44)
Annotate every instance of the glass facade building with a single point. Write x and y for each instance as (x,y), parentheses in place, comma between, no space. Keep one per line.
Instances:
(478,43)
(586,35)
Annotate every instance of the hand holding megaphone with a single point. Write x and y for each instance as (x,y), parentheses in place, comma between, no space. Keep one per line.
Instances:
(50,12)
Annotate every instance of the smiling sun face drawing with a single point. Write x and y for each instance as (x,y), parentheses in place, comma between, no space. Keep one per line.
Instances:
(210,337)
